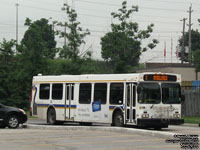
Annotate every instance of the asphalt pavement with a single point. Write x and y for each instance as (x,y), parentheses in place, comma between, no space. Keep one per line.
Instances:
(58,138)
(38,135)
(189,129)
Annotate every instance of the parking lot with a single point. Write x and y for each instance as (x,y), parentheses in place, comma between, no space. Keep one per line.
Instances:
(43,139)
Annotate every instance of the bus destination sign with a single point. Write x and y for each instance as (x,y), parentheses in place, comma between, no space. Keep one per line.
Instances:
(159,77)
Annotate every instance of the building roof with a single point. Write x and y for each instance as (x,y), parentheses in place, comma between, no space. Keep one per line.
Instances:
(161,65)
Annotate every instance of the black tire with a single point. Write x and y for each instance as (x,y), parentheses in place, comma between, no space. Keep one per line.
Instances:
(51,117)
(13,121)
(85,123)
(118,119)
(157,128)
(59,122)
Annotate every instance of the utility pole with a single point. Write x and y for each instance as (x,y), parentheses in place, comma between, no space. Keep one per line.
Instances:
(189,31)
(65,41)
(73,4)
(17,5)
(65,27)
(183,40)
(171,48)
(165,53)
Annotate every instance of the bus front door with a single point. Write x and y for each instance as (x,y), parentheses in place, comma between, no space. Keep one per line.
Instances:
(69,102)
(130,102)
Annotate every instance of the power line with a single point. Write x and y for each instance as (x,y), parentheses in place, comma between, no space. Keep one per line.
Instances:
(165,1)
(96,16)
(45,9)
(83,14)
(49,3)
(88,9)
(154,8)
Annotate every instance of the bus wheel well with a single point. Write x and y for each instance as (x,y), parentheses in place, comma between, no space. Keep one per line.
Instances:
(117,111)
(51,108)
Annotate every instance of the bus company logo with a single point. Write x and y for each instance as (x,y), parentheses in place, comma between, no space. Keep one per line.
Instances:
(96,106)
(186,141)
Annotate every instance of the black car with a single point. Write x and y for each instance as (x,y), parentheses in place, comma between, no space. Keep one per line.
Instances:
(11,117)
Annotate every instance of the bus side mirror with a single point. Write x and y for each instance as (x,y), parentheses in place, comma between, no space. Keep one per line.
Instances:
(182,98)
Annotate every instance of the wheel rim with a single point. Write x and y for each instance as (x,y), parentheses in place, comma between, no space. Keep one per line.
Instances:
(52,117)
(119,120)
(13,122)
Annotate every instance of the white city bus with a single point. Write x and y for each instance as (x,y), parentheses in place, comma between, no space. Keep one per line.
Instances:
(143,99)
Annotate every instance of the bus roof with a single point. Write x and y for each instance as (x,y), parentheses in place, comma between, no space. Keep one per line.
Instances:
(132,77)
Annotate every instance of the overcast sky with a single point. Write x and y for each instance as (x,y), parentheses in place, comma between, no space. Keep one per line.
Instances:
(95,15)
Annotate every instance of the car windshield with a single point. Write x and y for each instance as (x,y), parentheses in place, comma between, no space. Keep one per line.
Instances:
(149,93)
(171,93)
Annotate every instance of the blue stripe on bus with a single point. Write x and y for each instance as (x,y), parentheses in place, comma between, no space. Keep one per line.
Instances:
(42,105)
(57,106)
(35,94)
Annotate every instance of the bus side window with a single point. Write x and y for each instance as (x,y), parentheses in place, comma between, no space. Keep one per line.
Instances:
(57,91)
(85,93)
(44,91)
(116,93)
(100,92)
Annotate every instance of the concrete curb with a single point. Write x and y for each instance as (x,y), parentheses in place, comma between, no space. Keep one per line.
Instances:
(161,134)
(191,125)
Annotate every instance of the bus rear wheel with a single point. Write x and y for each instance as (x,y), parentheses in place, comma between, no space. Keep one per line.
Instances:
(51,117)
(118,119)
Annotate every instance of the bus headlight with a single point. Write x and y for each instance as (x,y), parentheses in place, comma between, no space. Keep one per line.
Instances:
(176,115)
(145,115)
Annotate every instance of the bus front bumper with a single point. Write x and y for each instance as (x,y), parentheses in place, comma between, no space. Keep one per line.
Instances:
(159,122)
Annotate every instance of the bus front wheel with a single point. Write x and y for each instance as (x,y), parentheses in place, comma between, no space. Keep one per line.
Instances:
(51,117)
(118,119)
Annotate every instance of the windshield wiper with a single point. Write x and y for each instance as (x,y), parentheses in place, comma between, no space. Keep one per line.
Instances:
(152,106)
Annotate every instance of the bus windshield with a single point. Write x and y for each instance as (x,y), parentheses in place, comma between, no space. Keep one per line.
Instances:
(149,93)
(171,93)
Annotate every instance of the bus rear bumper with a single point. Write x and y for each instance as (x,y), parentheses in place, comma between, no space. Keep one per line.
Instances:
(158,122)
(176,121)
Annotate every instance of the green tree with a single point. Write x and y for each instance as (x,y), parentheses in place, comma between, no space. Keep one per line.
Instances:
(195,38)
(123,45)
(37,46)
(75,35)
(6,67)
(46,33)
(196,61)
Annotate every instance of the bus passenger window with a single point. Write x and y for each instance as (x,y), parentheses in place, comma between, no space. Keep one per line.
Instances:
(85,93)
(57,91)
(116,93)
(44,91)
(100,92)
